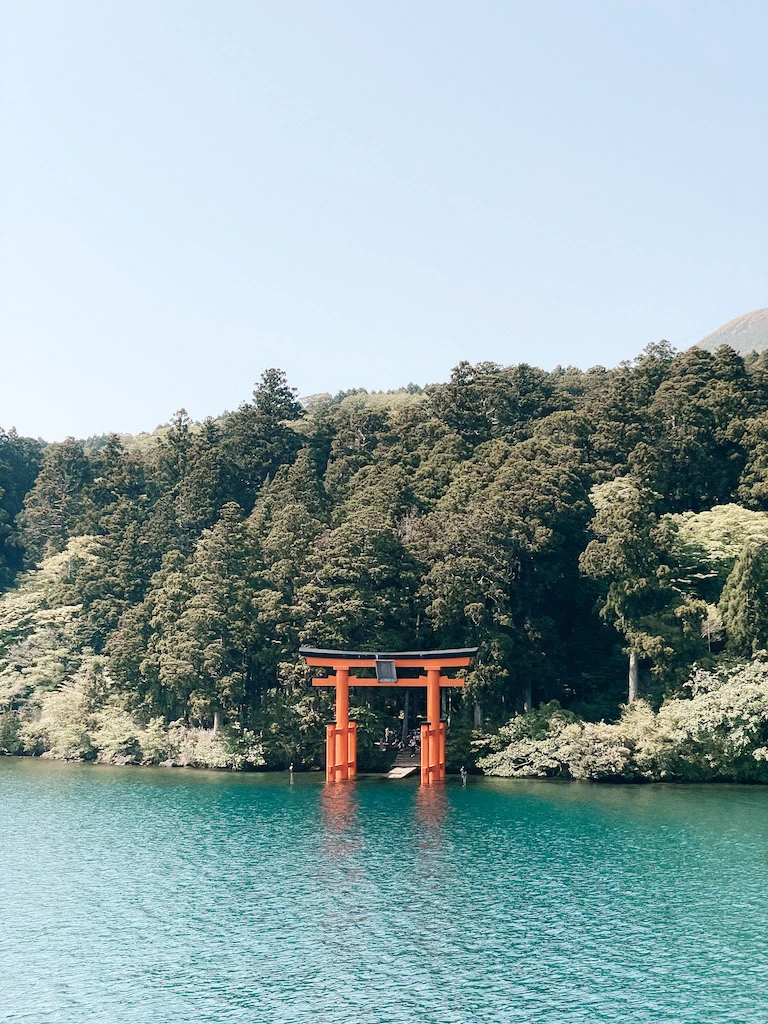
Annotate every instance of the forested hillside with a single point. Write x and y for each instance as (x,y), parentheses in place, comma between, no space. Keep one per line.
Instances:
(580,527)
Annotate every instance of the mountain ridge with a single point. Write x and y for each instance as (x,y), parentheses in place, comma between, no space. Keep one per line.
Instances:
(746,333)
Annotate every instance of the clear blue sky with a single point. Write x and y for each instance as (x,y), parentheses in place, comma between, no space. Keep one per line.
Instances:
(365,193)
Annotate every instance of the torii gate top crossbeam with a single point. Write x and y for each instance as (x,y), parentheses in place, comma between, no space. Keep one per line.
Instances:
(457,658)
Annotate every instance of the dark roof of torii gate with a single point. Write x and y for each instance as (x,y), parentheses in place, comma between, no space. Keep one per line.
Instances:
(317,652)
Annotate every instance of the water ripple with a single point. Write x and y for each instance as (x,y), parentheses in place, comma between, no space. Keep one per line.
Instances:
(154,897)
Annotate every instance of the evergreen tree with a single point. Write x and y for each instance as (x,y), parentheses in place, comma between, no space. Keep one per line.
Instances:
(693,453)
(290,514)
(359,587)
(19,464)
(488,400)
(630,556)
(619,408)
(57,506)
(744,602)
(258,438)
(138,648)
(206,652)
(497,550)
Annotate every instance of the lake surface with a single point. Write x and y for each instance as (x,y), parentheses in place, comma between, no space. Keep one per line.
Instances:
(140,896)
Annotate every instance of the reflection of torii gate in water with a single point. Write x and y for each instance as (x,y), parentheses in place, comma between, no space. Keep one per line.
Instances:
(341,736)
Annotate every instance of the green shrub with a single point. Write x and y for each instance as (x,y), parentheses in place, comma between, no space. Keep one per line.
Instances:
(719,731)
(60,728)
(10,738)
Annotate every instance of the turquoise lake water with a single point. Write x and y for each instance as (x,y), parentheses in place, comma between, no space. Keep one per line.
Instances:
(133,896)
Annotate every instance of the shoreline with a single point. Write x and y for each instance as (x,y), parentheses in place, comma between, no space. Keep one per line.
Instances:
(382,776)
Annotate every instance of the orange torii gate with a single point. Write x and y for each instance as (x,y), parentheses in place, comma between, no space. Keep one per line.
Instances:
(341,735)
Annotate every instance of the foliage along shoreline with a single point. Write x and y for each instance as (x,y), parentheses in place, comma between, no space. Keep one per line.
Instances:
(716,732)
(581,527)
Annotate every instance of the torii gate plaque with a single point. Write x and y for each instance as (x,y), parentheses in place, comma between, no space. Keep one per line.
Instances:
(341,735)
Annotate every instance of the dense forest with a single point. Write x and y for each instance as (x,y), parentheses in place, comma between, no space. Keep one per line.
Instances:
(600,535)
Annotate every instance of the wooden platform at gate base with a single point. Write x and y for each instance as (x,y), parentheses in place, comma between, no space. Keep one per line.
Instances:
(405,764)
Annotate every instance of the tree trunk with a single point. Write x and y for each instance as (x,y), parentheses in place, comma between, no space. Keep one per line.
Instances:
(477,714)
(528,696)
(406,709)
(633,677)
(216,721)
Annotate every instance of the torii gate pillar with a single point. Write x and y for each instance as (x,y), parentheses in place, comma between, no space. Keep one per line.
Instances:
(341,735)
(433,733)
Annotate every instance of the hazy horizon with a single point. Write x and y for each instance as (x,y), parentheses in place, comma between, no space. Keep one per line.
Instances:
(303,397)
